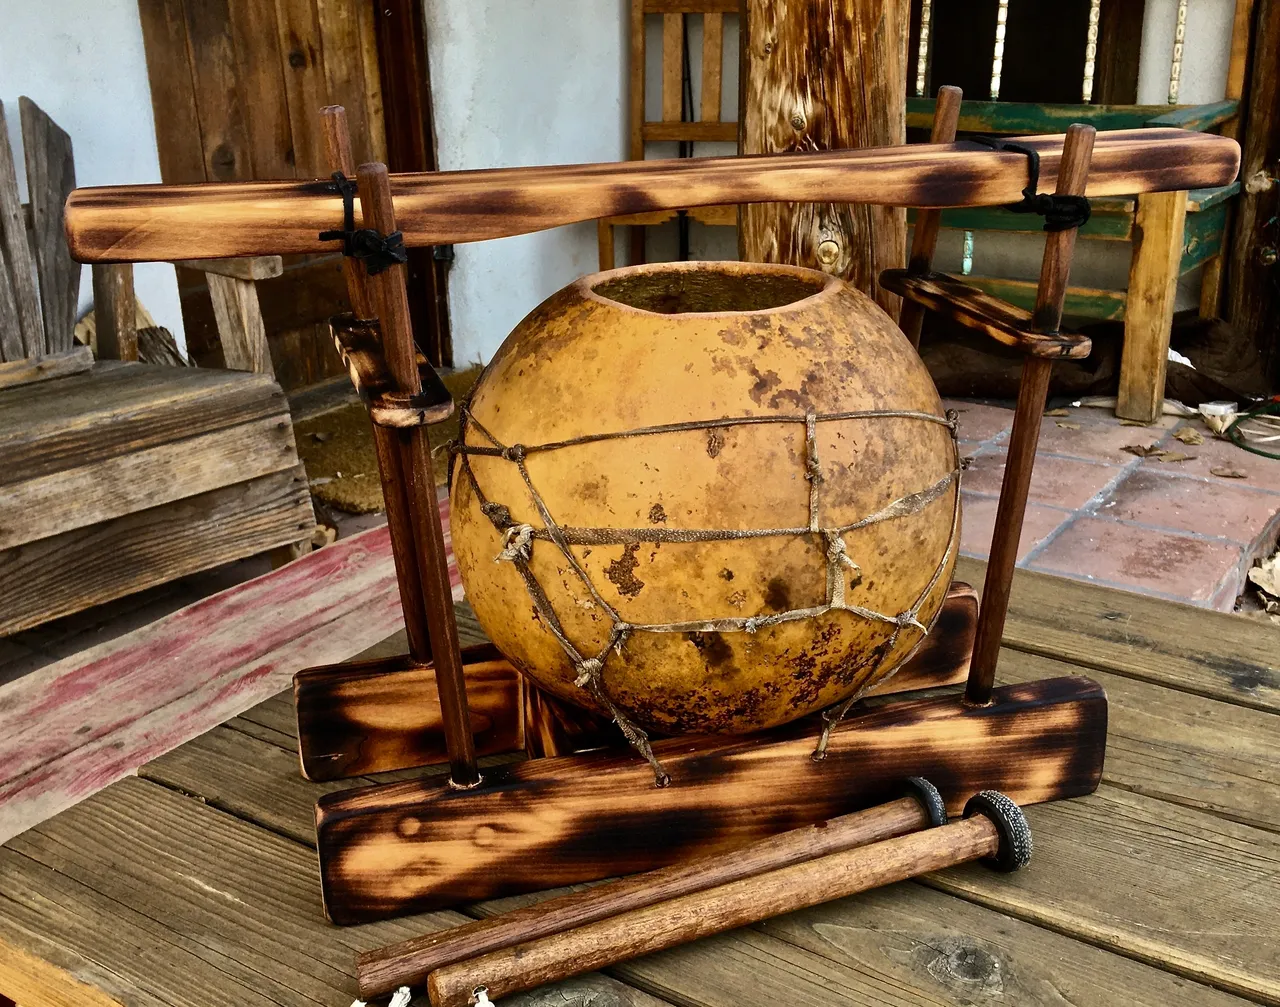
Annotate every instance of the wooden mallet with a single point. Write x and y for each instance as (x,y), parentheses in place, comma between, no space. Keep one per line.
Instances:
(410,962)
(993,829)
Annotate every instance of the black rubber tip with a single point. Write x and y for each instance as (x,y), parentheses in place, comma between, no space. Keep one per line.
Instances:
(1015,833)
(927,794)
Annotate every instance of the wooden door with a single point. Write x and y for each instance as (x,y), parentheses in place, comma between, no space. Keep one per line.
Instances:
(236,88)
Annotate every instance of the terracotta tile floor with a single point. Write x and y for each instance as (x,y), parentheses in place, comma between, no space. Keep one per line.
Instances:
(1100,513)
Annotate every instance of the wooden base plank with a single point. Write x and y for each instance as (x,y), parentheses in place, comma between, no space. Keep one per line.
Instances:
(384,714)
(403,847)
(1176,888)
(1226,658)
(74,570)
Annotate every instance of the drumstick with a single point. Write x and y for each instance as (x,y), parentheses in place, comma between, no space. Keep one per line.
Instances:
(409,962)
(994,828)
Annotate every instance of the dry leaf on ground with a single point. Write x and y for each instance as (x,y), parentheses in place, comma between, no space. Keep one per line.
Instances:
(1189,435)
(1134,423)
(1057,412)
(1266,575)
(1141,450)
(1067,425)
(1225,472)
(1172,456)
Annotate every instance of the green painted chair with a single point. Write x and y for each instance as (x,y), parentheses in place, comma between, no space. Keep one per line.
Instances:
(1171,233)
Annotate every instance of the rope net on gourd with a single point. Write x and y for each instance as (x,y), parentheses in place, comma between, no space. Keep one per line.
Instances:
(519,538)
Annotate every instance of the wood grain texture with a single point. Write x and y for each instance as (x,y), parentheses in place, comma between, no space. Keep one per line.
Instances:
(1227,658)
(146,223)
(975,309)
(258,267)
(1038,742)
(69,572)
(689,917)
(410,962)
(173,95)
(247,641)
(226,918)
(115,309)
(51,175)
(363,351)
(1250,304)
(122,484)
(384,716)
(672,67)
(240,328)
(825,75)
(26,371)
(1148,316)
(915,946)
(712,66)
(122,408)
(1176,747)
(17,252)
(1177,888)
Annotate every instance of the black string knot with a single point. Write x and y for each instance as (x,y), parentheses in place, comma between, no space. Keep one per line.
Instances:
(376,251)
(1061,213)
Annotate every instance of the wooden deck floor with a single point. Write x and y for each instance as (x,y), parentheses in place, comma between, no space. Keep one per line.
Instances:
(195,882)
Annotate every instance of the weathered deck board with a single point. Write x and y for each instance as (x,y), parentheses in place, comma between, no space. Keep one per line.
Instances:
(1180,747)
(157,687)
(1226,657)
(1174,887)
(204,910)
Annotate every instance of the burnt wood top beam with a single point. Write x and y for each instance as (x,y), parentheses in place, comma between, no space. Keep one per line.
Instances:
(160,222)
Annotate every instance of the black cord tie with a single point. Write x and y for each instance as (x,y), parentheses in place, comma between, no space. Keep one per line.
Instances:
(1060,213)
(375,251)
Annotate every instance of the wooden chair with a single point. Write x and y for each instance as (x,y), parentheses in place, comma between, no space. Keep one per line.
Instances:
(1172,233)
(116,476)
(674,125)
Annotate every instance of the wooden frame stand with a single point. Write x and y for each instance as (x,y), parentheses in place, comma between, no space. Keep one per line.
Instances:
(567,815)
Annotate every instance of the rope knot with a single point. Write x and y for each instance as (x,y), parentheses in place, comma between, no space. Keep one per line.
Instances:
(953,421)
(589,669)
(517,545)
(515,453)
(752,624)
(498,513)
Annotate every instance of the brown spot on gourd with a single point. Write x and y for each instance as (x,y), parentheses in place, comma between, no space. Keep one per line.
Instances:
(715,443)
(622,571)
(765,383)
(777,595)
(657,515)
(726,573)
(713,647)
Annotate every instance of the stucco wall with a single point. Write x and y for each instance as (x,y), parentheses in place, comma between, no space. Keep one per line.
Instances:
(83,63)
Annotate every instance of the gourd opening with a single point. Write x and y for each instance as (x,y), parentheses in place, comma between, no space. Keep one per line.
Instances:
(708,289)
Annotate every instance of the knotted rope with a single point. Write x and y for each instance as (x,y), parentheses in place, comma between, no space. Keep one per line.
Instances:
(843,571)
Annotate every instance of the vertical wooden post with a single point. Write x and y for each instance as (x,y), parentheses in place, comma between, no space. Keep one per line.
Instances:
(115,311)
(825,75)
(1055,270)
(399,523)
(391,298)
(240,328)
(1253,271)
(1148,311)
(924,241)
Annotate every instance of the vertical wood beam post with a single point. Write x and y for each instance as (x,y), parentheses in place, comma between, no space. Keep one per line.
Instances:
(1055,270)
(924,242)
(1158,232)
(635,98)
(825,75)
(115,311)
(391,298)
(240,328)
(337,140)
